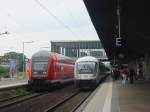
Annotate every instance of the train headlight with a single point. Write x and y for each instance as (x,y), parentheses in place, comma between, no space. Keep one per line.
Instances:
(35,72)
(91,75)
(77,72)
(94,74)
(76,75)
(44,72)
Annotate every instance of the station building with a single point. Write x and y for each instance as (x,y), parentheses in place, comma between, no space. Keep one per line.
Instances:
(76,49)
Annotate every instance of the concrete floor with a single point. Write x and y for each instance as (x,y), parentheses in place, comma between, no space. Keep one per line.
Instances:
(134,97)
(7,82)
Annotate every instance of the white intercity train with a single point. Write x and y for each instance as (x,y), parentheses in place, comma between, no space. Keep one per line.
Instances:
(88,72)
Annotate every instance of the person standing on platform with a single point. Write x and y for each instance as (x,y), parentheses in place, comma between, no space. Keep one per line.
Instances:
(125,74)
(132,74)
(116,74)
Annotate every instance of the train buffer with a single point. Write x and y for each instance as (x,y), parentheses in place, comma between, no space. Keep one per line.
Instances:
(112,96)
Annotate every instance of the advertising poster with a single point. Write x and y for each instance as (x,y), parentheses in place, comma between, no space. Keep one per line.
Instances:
(13,68)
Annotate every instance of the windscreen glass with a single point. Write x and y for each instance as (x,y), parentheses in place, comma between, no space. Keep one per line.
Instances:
(40,66)
(86,67)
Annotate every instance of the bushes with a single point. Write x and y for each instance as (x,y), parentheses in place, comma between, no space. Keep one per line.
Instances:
(4,71)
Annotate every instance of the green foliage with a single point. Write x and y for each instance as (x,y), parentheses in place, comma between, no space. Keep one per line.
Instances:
(4,70)
(21,92)
(22,75)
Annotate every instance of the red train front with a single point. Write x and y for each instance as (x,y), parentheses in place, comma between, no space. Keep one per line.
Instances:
(47,68)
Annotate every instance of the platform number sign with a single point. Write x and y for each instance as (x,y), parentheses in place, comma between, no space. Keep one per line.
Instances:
(118,42)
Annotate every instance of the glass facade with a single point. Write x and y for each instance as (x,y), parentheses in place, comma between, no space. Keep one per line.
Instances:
(78,49)
(86,67)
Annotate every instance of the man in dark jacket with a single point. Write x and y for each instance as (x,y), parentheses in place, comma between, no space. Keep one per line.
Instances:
(131,75)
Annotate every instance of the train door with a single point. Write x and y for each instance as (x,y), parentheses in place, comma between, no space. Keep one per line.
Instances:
(101,70)
(57,68)
(97,72)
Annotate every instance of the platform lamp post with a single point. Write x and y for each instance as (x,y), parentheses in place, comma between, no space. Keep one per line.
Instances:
(23,58)
(4,33)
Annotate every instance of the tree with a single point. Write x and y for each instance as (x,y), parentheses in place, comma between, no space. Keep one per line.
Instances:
(17,56)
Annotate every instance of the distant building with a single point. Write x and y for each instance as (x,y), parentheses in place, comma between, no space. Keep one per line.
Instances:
(79,48)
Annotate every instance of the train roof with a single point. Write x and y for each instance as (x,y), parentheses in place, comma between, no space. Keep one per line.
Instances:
(87,58)
(46,54)
(42,53)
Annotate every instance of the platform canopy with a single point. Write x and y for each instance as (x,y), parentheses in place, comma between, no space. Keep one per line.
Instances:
(134,25)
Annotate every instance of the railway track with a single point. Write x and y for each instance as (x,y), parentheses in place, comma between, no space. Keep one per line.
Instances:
(11,94)
(64,99)
(12,97)
(70,103)
(16,94)
(16,100)
(37,102)
(73,102)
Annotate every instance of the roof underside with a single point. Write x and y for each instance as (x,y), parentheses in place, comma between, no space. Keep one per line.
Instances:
(135,25)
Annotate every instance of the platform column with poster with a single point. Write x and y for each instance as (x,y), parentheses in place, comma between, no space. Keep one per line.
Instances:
(13,68)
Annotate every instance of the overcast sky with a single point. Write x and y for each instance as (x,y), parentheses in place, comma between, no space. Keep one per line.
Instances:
(42,21)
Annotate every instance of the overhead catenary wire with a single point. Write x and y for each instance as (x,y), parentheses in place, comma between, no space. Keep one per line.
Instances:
(101,33)
(54,16)
(70,14)
(83,35)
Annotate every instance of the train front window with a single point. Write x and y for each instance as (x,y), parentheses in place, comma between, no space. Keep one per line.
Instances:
(39,66)
(40,63)
(86,67)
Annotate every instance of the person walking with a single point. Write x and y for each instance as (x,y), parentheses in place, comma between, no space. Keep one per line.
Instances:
(124,73)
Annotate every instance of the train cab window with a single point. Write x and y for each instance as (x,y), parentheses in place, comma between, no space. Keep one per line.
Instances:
(40,66)
(86,67)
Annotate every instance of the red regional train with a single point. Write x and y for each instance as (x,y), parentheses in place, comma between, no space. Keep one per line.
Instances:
(48,68)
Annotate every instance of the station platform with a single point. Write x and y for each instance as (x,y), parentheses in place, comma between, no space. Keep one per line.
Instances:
(7,82)
(113,96)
